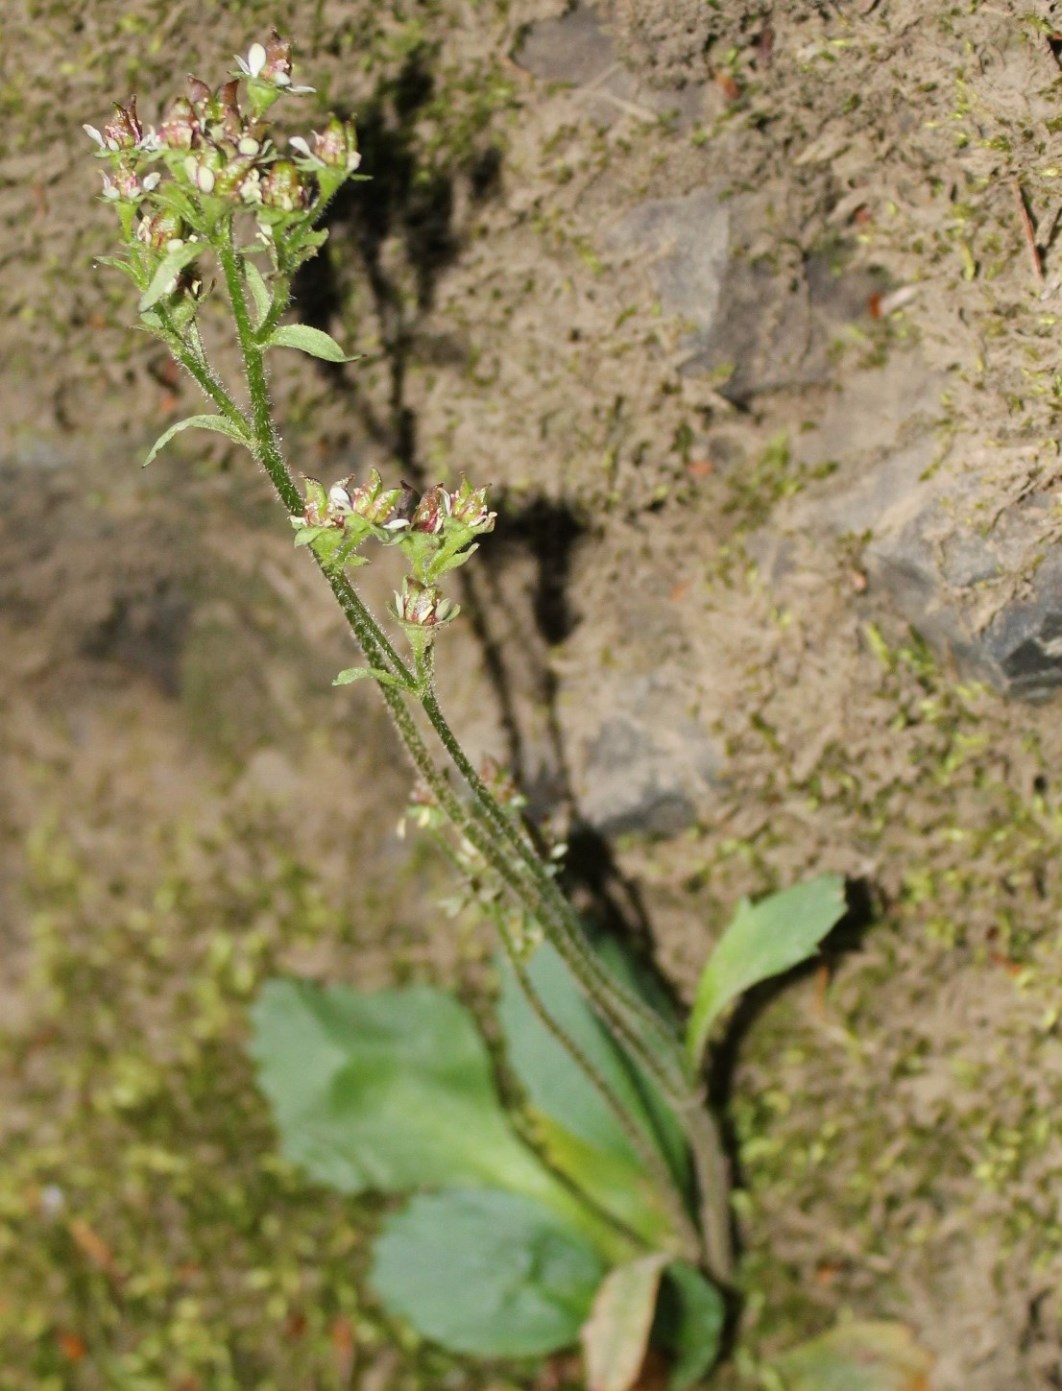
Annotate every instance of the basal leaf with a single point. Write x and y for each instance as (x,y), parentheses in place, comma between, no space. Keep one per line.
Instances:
(615,1337)
(486,1273)
(308,340)
(390,1090)
(868,1355)
(763,940)
(218,423)
(559,1090)
(618,1184)
(689,1323)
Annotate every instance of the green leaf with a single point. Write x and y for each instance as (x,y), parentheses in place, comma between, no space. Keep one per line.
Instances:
(168,269)
(615,1337)
(263,300)
(308,340)
(618,1186)
(351,674)
(126,267)
(869,1355)
(218,423)
(393,1091)
(559,1090)
(486,1274)
(689,1323)
(763,940)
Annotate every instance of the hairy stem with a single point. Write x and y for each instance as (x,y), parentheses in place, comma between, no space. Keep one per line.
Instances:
(488,829)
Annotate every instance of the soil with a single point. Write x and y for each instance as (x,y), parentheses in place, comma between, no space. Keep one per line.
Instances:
(188,805)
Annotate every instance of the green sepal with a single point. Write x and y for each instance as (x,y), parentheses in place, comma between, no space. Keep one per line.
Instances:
(218,423)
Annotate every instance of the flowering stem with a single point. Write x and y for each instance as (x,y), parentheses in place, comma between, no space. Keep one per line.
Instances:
(489,829)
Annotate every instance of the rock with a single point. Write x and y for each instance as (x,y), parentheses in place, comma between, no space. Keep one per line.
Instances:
(648,767)
(974,586)
(755,327)
(684,245)
(574,49)
(579,51)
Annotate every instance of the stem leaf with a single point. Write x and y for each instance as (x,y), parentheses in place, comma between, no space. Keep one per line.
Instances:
(126,267)
(763,940)
(169,268)
(386,678)
(218,423)
(263,300)
(308,340)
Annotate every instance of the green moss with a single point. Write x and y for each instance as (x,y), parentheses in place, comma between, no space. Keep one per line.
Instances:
(150,1234)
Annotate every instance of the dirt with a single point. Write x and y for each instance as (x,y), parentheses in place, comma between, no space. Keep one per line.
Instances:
(178,773)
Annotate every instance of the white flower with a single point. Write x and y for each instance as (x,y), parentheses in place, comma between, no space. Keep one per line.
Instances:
(254,62)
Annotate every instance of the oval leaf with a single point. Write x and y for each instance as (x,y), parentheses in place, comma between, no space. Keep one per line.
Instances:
(218,423)
(486,1274)
(763,940)
(393,1090)
(308,340)
(615,1337)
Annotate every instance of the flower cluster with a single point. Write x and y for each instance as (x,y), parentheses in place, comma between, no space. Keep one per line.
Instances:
(219,156)
(436,531)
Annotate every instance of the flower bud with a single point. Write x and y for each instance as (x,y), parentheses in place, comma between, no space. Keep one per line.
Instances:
(124,185)
(282,188)
(423,606)
(179,128)
(277,65)
(336,147)
(468,505)
(125,132)
(200,174)
(160,230)
(431,511)
(318,511)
